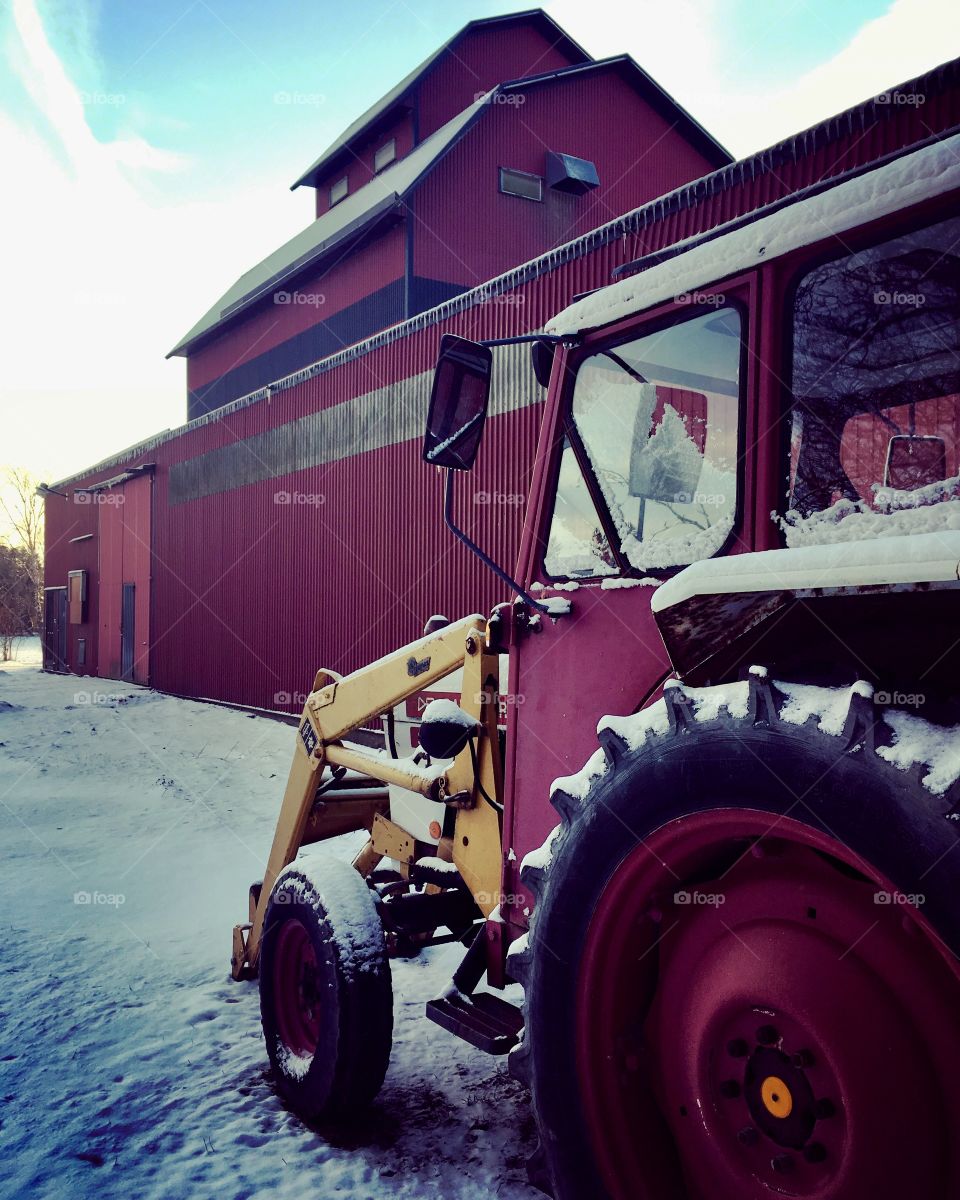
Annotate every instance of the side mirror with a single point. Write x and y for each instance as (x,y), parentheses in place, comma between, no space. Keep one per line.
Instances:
(914,461)
(542,355)
(458,403)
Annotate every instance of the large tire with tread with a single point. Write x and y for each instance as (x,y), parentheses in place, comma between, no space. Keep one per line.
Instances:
(740,978)
(326,1000)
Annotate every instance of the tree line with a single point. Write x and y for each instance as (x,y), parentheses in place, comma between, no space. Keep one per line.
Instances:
(21,561)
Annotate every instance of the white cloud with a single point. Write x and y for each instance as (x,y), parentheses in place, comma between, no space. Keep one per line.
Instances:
(684,47)
(106,278)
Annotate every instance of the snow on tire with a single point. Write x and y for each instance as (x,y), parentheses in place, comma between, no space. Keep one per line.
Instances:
(326,1000)
(741,968)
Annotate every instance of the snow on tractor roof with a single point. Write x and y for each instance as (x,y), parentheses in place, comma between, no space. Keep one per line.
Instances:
(904,558)
(930,171)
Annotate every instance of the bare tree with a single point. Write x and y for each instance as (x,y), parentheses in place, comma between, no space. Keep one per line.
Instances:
(18,598)
(23,509)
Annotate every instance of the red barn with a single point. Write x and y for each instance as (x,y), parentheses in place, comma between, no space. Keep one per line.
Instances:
(290,523)
(497,148)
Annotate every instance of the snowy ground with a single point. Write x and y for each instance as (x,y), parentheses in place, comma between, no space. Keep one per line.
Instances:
(130,1064)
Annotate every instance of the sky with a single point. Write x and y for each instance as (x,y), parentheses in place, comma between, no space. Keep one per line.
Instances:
(148,150)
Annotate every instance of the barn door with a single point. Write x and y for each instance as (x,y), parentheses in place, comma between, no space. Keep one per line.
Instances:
(128,615)
(123,650)
(55,629)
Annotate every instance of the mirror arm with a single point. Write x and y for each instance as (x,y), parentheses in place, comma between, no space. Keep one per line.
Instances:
(555,339)
(485,559)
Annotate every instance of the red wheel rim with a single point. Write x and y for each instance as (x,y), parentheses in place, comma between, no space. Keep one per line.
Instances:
(773,1028)
(296,989)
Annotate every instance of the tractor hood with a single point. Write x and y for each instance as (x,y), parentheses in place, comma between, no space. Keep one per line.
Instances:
(819,606)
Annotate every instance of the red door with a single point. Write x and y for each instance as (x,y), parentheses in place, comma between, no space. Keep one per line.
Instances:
(124,527)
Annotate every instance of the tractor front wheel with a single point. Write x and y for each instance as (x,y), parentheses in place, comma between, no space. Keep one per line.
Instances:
(326,1001)
(739,980)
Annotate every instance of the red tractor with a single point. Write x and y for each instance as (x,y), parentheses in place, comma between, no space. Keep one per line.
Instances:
(735,634)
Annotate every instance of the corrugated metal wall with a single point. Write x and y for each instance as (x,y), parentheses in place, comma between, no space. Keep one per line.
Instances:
(253,592)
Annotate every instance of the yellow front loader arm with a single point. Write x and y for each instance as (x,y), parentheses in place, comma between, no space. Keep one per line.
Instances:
(338,705)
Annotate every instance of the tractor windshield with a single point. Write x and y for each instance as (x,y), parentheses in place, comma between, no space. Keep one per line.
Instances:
(648,476)
(875,437)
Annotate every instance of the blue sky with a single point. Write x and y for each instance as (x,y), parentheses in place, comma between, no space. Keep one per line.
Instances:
(151,145)
(206,79)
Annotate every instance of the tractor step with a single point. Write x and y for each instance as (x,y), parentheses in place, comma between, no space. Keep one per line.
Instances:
(484,1020)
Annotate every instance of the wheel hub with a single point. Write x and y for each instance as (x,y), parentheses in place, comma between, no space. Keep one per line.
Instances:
(777,1098)
(296,978)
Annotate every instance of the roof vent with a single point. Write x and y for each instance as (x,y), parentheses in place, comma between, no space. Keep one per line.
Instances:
(568,174)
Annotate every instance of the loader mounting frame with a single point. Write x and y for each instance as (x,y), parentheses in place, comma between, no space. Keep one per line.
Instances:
(336,706)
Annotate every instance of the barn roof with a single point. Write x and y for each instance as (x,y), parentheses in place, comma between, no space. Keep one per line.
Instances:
(383,195)
(394,99)
(351,218)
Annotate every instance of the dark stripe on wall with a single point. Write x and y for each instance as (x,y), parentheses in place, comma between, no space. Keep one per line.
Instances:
(383,417)
(351,324)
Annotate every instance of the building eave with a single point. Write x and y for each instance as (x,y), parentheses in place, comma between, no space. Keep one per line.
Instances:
(393,101)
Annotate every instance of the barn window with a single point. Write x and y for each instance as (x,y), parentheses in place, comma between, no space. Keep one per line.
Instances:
(385,155)
(521,183)
(339,190)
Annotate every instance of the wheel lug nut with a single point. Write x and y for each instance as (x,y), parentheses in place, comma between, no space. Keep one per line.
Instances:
(767,1035)
(783,1164)
(803,1059)
(824,1109)
(729,1089)
(814,1153)
(747,1136)
(738,1048)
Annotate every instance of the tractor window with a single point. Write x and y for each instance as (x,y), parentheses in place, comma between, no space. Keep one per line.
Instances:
(657,418)
(577,546)
(875,436)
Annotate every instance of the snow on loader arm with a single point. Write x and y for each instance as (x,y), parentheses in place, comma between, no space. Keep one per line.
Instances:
(334,708)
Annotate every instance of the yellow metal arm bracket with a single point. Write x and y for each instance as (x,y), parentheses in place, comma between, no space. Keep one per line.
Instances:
(330,712)
(478,840)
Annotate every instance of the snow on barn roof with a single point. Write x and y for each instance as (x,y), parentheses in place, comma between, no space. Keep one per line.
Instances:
(804,219)
(396,96)
(351,217)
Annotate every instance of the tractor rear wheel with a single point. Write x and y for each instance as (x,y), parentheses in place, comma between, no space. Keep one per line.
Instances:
(326,1002)
(741,978)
